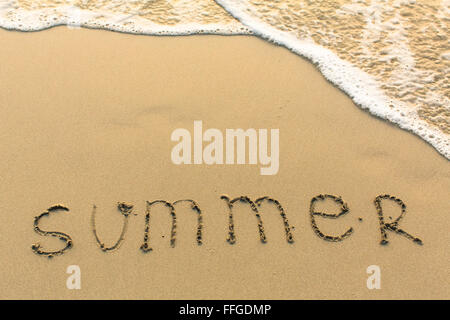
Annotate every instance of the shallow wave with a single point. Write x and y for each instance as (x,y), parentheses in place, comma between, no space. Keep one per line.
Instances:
(392,57)
(152,17)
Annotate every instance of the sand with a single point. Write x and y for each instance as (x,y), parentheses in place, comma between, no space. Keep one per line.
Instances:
(87,117)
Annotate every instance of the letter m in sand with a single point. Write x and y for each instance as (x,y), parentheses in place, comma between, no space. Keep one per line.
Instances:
(254,206)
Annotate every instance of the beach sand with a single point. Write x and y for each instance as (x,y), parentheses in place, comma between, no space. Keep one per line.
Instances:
(87,117)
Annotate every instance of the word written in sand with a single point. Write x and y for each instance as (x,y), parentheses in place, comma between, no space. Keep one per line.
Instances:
(126,210)
(235,147)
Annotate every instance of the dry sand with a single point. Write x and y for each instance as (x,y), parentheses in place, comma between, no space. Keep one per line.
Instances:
(87,117)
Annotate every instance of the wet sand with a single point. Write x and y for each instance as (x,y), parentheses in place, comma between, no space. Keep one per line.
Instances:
(87,117)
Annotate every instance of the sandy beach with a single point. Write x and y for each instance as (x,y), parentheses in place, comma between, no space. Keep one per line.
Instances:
(87,117)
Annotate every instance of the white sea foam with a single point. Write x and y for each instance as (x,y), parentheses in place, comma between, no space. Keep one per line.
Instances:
(363,88)
(186,17)
(388,63)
